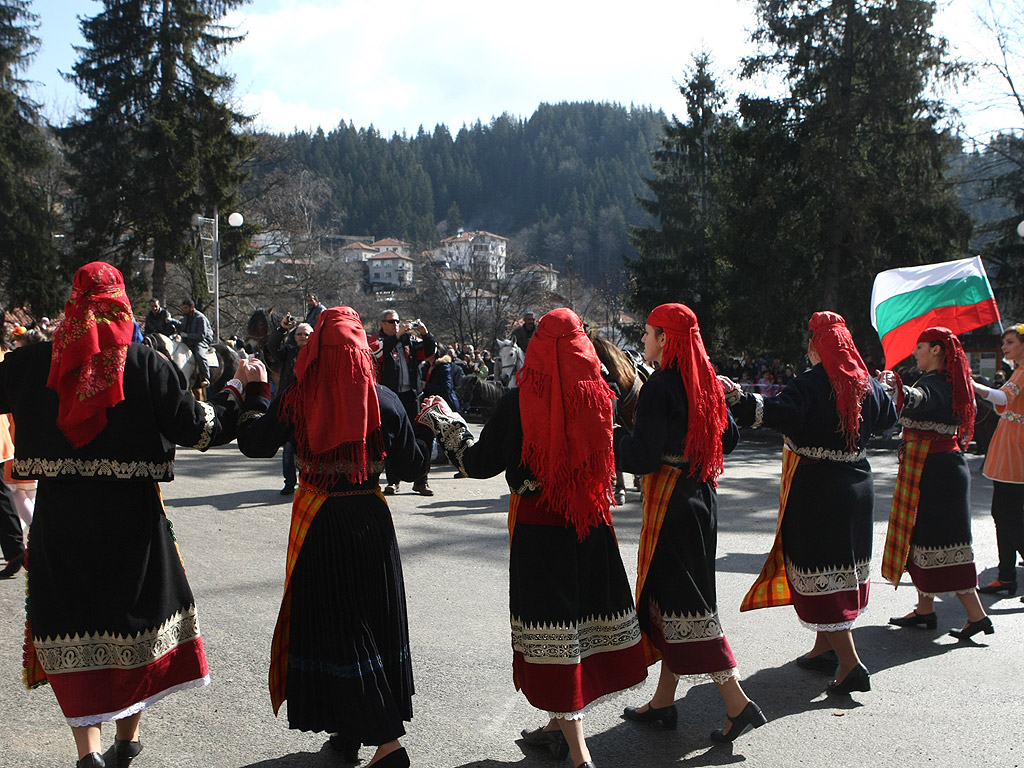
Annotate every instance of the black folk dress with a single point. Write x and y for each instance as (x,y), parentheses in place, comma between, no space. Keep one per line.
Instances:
(941,556)
(826,527)
(575,638)
(340,655)
(677,604)
(112,622)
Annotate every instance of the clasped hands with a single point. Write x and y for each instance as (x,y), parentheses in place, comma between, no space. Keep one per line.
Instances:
(251,369)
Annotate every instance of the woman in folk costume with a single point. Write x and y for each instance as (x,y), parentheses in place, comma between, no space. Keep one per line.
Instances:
(340,652)
(681,433)
(97,419)
(930,520)
(821,558)
(1004,464)
(575,637)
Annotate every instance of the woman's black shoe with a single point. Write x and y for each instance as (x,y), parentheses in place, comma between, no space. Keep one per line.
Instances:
(666,715)
(397,759)
(997,586)
(92,760)
(553,740)
(750,717)
(972,628)
(915,619)
(349,750)
(824,662)
(125,752)
(858,679)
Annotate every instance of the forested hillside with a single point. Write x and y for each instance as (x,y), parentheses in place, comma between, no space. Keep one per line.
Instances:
(562,182)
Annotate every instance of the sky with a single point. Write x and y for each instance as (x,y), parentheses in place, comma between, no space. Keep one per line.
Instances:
(402,64)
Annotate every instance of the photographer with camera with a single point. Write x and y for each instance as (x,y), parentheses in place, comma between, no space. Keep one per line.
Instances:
(399,347)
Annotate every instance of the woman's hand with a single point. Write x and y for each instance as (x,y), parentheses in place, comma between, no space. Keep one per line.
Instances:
(254,370)
(887,379)
(728,385)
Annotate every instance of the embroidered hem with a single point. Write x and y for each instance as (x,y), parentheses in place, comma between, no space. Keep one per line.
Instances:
(841,626)
(134,709)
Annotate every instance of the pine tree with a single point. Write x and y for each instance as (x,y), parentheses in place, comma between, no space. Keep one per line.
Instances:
(676,259)
(28,258)
(160,141)
(844,175)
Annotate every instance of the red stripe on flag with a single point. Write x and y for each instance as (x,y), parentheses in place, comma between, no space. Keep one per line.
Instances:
(899,343)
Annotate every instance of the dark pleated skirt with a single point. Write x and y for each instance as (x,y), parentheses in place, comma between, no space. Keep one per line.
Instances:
(826,540)
(349,667)
(941,556)
(678,609)
(575,637)
(112,615)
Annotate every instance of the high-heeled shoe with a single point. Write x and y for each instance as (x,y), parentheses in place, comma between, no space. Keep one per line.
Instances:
(915,619)
(92,760)
(998,585)
(826,662)
(125,752)
(857,679)
(349,750)
(750,717)
(397,759)
(971,628)
(667,716)
(553,740)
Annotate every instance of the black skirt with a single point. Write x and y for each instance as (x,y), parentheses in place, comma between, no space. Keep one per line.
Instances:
(349,666)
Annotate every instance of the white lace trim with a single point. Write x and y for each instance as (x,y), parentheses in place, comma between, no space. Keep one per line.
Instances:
(828,580)
(951,592)
(570,643)
(210,417)
(826,454)
(718,678)
(686,628)
(841,626)
(941,557)
(758,410)
(579,714)
(106,717)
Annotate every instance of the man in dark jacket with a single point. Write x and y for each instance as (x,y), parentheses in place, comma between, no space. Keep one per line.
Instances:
(399,347)
(286,342)
(159,320)
(195,331)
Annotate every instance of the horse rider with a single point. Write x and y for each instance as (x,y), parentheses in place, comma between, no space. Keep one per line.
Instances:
(398,354)
(159,320)
(194,329)
(523,331)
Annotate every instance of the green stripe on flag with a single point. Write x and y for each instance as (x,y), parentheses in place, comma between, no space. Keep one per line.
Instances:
(899,309)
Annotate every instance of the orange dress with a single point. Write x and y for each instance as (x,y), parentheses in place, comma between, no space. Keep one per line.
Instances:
(1005,459)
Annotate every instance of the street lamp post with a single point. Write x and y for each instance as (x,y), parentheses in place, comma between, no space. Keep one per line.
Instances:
(234,220)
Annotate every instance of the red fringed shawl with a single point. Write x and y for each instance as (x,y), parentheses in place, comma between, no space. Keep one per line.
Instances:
(89,351)
(958,372)
(708,419)
(333,403)
(845,369)
(566,413)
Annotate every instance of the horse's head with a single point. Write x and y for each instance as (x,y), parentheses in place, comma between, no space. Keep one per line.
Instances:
(259,325)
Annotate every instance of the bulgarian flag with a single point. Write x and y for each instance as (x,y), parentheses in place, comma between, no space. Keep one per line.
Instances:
(905,301)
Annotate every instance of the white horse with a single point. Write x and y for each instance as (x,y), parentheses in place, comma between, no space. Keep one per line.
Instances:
(511,359)
(221,359)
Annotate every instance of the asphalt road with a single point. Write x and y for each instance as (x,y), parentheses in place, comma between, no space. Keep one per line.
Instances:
(934,701)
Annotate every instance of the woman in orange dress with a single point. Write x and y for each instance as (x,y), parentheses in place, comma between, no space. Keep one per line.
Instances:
(1004,464)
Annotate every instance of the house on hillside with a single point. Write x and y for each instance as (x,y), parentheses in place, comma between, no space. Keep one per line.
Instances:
(479,253)
(389,270)
(356,252)
(542,278)
(391,244)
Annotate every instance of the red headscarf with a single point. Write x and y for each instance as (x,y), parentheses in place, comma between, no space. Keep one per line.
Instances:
(958,371)
(89,350)
(566,413)
(845,368)
(708,419)
(333,403)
